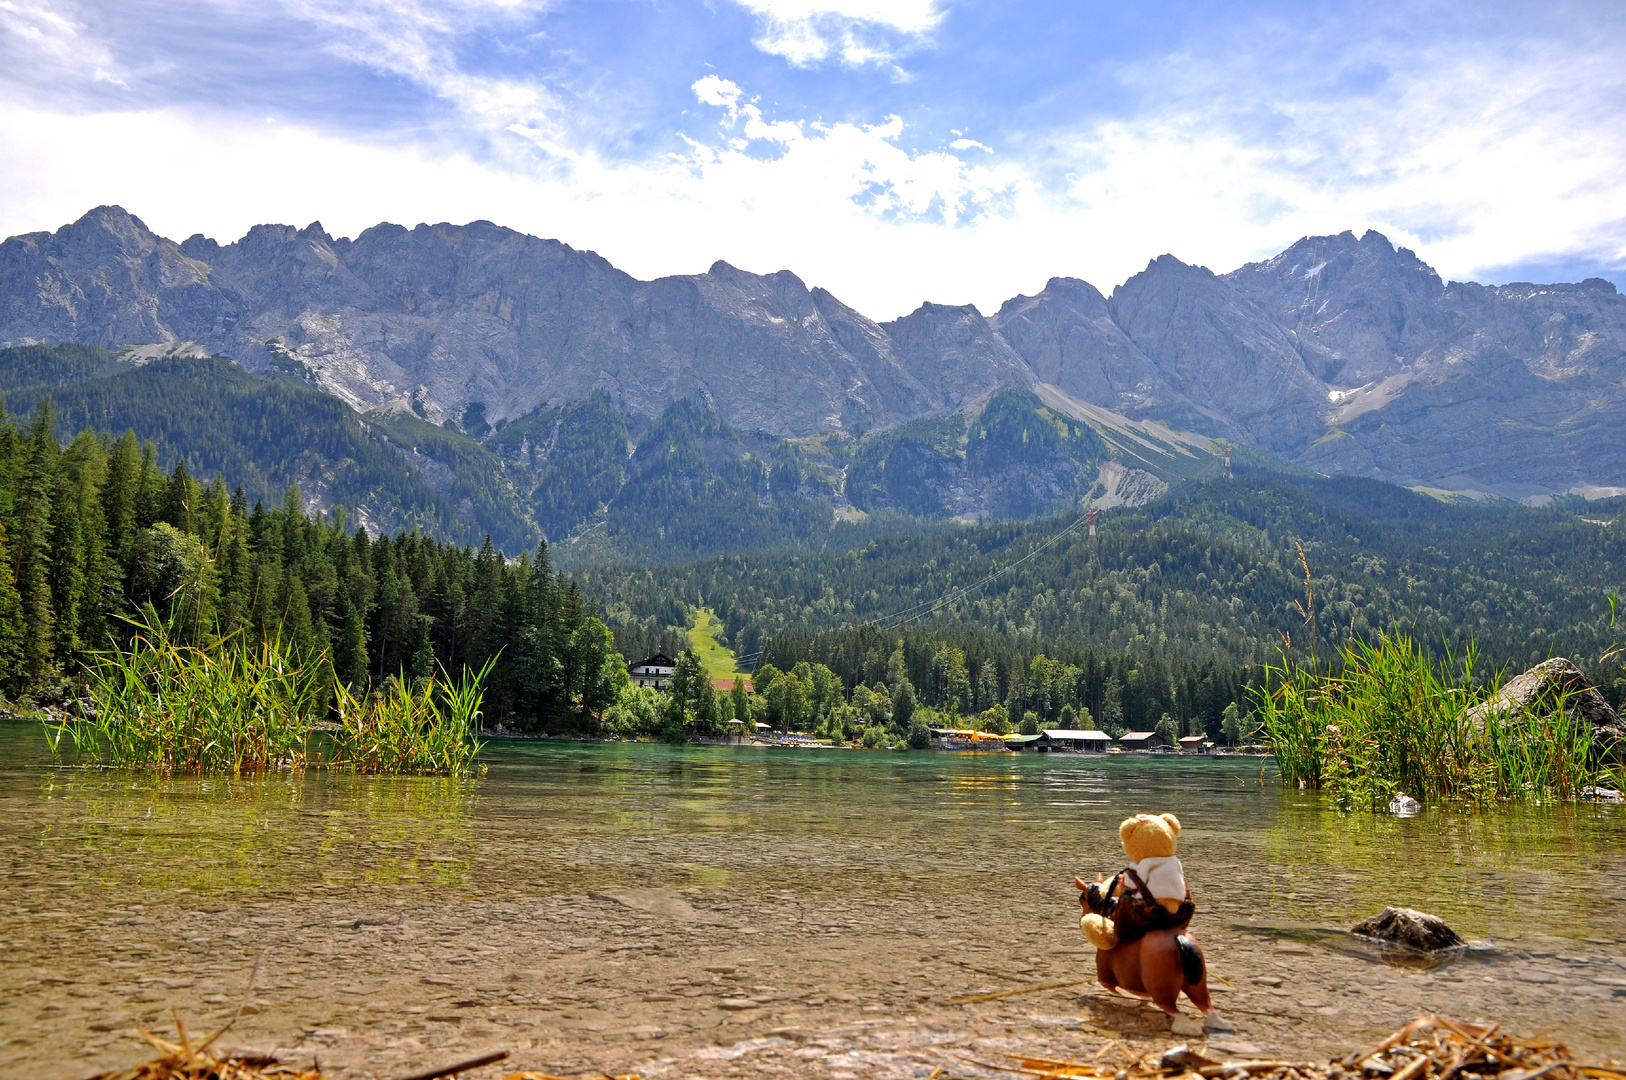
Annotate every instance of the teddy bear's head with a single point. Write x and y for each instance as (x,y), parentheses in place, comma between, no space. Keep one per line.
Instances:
(1147,836)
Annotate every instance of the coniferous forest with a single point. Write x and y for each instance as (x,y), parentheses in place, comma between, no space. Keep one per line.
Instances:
(1162,621)
(95,533)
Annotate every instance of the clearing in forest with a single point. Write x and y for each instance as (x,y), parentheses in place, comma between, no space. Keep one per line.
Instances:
(706,639)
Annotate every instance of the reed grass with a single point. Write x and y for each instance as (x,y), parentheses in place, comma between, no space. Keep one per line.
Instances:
(240,706)
(1395,719)
(431,726)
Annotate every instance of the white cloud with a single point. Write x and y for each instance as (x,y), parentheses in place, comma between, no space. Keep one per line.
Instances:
(54,42)
(1494,155)
(713,90)
(417,40)
(1497,154)
(807,32)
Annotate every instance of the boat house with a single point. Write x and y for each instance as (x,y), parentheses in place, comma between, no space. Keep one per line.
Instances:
(1141,740)
(653,671)
(1195,744)
(1064,740)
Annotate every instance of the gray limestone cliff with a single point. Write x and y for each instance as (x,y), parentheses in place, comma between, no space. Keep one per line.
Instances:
(1343,353)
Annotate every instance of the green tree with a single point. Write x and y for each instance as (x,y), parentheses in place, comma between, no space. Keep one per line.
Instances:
(1112,712)
(12,625)
(1168,730)
(593,664)
(33,552)
(873,707)
(903,704)
(787,702)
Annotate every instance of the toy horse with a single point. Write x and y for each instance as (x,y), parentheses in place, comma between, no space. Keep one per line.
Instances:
(1160,964)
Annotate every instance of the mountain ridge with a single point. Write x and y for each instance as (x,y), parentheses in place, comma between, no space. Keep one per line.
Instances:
(1344,354)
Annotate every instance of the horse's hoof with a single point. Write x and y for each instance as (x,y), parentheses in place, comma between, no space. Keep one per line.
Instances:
(1185,1025)
(1215,1022)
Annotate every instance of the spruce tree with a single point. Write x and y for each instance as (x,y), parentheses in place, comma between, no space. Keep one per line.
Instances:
(33,556)
(13,627)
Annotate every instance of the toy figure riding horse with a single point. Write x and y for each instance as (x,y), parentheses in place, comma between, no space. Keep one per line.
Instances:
(1137,922)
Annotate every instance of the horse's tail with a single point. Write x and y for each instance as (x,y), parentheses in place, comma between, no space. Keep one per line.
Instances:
(1191,960)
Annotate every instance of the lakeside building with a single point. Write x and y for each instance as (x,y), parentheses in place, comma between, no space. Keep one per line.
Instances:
(1196,744)
(967,739)
(726,686)
(1141,740)
(1063,740)
(654,671)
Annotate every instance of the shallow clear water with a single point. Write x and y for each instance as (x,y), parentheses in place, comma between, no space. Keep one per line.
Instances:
(970,852)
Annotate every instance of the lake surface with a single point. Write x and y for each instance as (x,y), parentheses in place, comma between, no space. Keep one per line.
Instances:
(712,911)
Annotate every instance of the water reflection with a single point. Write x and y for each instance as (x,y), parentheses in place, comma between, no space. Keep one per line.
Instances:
(1475,870)
(569,818)
(134,833)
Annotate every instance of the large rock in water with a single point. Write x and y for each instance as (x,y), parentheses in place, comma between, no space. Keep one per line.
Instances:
(1413,929)
(1542,686)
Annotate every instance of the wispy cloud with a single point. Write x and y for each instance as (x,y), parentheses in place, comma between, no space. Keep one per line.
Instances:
(46,40)
(1503,144)
(853,32)
(1508,144)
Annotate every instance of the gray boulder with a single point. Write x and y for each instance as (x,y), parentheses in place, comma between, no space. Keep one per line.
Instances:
(1543,685)
(1411,928)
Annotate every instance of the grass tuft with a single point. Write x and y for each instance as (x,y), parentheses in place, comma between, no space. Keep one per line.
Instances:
(247,707)
(1394,719)
(431,726)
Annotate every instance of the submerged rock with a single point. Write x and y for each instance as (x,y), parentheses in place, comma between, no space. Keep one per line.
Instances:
(1543,685)
(1603,794)
(1413,929)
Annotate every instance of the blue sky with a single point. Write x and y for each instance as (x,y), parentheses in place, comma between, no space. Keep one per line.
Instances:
(892,151)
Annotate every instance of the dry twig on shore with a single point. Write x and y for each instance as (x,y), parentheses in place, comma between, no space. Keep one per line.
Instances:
(1430,1048)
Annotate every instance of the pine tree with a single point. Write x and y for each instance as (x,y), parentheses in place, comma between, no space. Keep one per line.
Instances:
(12,625)
(33,556)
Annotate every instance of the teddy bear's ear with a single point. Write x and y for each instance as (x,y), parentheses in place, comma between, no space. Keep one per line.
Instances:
(1126,828)
(1174,823)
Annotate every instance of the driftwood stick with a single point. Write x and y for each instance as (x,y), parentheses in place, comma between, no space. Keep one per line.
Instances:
(1250,1067)
(460,1067)
(1013,993)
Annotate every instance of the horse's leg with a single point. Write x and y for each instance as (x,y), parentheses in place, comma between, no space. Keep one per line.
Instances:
(1195,969)
(1160,970)
(1105,968)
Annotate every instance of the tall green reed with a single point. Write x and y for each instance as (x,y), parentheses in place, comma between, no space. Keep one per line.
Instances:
(1394,719)
(237,707)
(428,726)
(245,707)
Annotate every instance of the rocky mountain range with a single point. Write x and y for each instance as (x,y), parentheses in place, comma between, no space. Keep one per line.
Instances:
(1341,353)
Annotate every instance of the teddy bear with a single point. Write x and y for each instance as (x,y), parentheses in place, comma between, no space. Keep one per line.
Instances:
(1149,894)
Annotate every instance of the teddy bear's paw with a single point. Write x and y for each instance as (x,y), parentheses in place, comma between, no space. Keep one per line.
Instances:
(1099,931)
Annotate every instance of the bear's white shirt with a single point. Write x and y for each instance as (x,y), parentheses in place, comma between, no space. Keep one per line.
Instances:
(1165,878)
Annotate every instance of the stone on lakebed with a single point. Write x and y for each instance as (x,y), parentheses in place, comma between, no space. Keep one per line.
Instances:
(1413,929)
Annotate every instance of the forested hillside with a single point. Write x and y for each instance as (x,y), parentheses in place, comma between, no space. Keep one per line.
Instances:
(265,434)
(688,486)
(94,533)
(1171,606)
